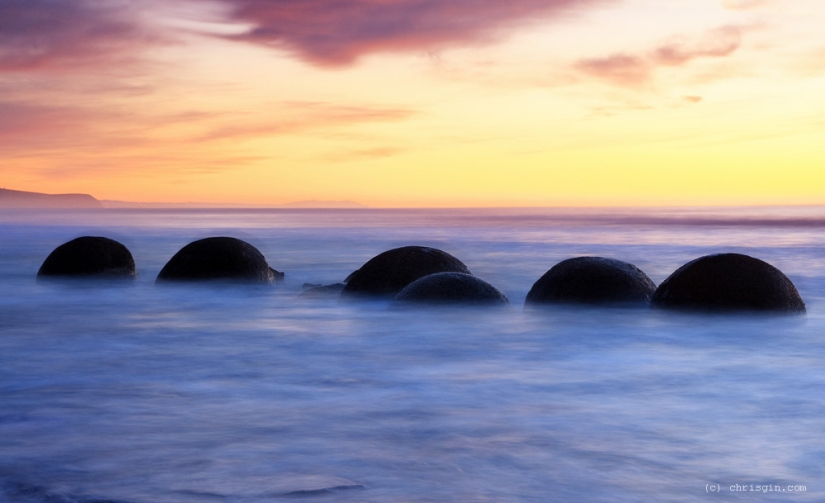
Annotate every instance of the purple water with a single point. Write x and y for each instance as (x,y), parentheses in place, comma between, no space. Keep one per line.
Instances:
(201,393)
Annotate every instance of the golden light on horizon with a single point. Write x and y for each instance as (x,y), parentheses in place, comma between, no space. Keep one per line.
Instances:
(554,104)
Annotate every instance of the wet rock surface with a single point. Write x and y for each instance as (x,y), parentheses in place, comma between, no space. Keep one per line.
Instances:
(219,258)
(451,288)
(89,256)
(388,273)
(728,282)
(592,280)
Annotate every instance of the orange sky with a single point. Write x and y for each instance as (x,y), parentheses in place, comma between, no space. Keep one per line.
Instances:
(416,102)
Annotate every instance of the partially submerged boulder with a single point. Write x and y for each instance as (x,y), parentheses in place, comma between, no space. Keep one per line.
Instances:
(451,288)
(592,280)
(89,256)
(728,282)
(219,258)
(388,273)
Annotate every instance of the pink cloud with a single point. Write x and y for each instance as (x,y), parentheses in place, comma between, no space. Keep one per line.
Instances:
(338,33)
(89,139)
(716,43)
(76,34)
(36,34)
(37,125)
(620,69)
(635,70)
(71,141)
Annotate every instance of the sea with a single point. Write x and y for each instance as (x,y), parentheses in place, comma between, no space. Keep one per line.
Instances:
(127,392)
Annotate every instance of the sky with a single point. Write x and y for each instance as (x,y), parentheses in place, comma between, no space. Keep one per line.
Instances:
(416,103)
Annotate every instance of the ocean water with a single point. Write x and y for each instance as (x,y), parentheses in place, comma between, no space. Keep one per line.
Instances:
(132,393)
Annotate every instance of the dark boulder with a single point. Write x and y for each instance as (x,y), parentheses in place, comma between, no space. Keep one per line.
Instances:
(451,288)
(219,258)
(592,280)
(388,273)
(728,282)
(89,256)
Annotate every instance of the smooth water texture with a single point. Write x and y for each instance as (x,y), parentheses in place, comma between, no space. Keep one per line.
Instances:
(133,393)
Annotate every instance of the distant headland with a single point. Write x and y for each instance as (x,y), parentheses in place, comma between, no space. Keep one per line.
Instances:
(21,199)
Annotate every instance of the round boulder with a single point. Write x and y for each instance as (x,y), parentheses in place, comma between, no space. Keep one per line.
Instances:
(728,282)
(388,273)
(219,258)
(89,256)
(592,280)
(451,288)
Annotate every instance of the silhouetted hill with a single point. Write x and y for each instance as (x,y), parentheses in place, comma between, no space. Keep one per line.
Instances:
(21,199)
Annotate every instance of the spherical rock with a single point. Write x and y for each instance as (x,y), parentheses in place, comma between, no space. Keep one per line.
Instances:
(451,288)
(728,282)
(388,273)
(219,258)
(89,256)
(592,280)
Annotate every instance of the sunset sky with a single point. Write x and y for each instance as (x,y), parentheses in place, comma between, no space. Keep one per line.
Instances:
(406,103)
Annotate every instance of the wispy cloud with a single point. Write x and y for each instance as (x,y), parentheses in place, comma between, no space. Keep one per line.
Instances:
(69,34)
(300,117)
(64,142)
(73,34)
(635,70)
(621,69)
(338,33)
(716,43)
(67,140)
(26,126)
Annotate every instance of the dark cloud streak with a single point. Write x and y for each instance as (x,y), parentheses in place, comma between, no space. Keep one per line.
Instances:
(337,33)
(67,34)
(76,34)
